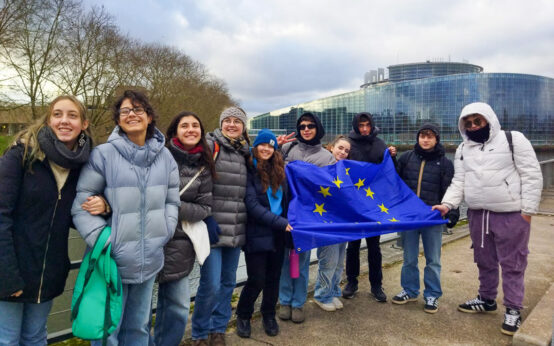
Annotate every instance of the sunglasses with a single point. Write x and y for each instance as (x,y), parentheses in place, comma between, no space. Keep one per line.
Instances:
(309,126)
(477,122)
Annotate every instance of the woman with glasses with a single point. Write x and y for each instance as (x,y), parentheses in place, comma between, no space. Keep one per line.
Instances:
(140,181)
(212,308)
(38,176)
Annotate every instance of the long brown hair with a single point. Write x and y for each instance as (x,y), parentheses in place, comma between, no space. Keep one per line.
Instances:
(206,159)
(271,172)
(29,136)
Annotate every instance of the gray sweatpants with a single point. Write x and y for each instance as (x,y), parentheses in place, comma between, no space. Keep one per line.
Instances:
(500,238)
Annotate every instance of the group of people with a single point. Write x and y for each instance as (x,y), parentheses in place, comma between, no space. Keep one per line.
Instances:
(147,187)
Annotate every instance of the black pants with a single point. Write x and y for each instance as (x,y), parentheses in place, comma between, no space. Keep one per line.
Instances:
(264,271)
(374,260)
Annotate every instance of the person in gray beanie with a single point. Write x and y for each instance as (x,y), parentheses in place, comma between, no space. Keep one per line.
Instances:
(218,274)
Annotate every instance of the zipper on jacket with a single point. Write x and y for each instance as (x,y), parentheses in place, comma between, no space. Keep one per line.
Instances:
(420,177)
(47,244)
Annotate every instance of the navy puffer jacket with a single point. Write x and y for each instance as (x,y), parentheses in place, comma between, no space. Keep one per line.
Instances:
(265,230)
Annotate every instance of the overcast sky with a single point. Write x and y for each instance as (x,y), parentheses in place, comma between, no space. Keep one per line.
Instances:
(276,53)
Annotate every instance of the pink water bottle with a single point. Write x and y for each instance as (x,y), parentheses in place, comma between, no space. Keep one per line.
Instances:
(294,266)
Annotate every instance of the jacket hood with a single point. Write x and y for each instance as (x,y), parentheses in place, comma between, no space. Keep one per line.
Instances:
(320,130)
(486,111)
(355,132)
(140,156)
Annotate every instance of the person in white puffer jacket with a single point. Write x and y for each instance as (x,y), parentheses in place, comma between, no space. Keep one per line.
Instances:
(501,184)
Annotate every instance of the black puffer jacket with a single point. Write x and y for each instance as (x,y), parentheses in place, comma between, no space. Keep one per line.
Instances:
(368,148)
(229,190)
(34,226)
(196,204)
(428,176)
(265,231)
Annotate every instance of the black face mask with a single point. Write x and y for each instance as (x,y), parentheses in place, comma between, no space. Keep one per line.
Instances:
(481,135)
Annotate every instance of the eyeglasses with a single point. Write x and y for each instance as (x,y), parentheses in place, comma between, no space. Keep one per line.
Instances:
(469,123)
(309,126)
(126,111)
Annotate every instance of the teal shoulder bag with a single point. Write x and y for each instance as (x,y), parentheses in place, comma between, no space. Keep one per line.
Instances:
(96,307)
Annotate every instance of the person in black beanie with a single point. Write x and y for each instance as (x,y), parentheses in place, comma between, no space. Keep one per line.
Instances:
(428,172)
(366,147)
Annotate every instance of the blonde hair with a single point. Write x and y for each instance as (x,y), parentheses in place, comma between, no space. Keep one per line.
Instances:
(336,140)
(29,136)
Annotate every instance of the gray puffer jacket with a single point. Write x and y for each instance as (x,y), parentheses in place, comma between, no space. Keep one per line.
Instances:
(141,185)
(229,190)
(196,205)
(314,154)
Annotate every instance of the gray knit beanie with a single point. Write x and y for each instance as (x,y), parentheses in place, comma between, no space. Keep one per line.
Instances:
(233,112)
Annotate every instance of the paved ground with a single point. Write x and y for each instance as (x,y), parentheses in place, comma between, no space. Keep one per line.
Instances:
(366,322)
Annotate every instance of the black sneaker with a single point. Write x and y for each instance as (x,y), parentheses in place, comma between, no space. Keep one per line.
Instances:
(431,305)
(271,327)
(349,290)
(379,294)
(477,305)
(402,298)
(512,321)
(243,327)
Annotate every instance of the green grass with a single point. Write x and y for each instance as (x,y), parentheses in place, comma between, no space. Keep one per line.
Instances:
(5,141)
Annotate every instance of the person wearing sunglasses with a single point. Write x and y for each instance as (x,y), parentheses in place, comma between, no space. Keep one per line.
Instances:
(293,292)
(501,182)
(366,147)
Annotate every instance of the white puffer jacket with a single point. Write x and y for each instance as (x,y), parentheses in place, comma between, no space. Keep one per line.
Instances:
(485,174)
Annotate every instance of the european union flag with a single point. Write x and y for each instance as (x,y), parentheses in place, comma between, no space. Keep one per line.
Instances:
(351,200)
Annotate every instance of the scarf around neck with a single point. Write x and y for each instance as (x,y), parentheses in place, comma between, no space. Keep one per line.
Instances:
(56,151)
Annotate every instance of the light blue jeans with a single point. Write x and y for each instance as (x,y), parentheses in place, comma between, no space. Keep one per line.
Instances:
(172,312)
(134,327)
(212,305)
(432,241)
(293,292)
(23,323)
(331,265)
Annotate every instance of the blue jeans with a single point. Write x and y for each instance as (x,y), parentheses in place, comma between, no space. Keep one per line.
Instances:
(133,328)
(212,305)
(331,264)
(172,312)
(293,292)
(23,323)
(432,241)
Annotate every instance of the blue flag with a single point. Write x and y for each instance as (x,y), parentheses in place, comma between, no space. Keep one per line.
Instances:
(351,200)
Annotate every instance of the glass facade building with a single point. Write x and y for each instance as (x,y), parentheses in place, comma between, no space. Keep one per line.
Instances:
(431,92)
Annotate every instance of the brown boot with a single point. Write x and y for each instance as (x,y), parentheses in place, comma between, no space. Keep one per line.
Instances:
(200,342)
(298,315)
(217,339)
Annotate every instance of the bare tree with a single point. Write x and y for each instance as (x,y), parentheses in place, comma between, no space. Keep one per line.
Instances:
(10,12)
(31,51)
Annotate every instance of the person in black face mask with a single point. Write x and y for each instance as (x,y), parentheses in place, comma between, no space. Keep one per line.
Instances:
(498,175)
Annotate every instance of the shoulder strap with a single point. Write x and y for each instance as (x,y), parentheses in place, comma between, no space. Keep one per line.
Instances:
(191,180)
(216,150)
(286,153)
(510,142)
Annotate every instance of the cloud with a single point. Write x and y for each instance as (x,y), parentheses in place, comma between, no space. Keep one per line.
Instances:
(274,54)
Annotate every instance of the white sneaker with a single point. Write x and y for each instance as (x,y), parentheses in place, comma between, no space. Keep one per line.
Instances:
(326,306)
(338,304)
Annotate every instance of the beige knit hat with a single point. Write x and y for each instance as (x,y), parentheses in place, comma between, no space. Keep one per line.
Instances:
(233,112)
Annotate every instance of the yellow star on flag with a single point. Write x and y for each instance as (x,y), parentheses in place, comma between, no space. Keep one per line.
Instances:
(319,209)
(369,193)
(393,220)
(360,183)
(347,171)
(324,191)
(383,208)
(338,182)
